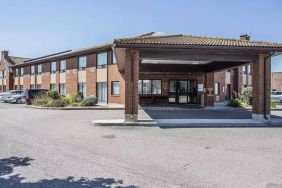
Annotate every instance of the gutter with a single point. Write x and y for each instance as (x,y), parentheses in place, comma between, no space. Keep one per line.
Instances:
(264,83)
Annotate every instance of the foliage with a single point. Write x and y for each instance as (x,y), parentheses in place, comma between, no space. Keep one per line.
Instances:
(56,103)
(272,104)
(41,100)
(54,94)
(89,101)
(75,98)
(75,104)
(246,95)
(235,103)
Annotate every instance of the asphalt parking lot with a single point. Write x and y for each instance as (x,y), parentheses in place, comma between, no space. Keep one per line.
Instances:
(50,148)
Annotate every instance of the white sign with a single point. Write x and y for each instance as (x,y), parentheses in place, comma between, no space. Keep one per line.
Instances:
(200,87)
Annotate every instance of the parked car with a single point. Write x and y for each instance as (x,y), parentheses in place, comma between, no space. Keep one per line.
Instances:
(17,98)
(9,94)
(30,94)
(1,95)
(276,96)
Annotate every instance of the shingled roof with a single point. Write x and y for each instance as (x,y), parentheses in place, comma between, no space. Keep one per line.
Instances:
(190,41)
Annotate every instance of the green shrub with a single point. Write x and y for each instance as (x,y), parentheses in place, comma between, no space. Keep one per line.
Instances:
(56,103)
(246,95)
(272,104)
(234,103)
(89,101)
(75,98)
(54,94)
(66,100)
(41,100)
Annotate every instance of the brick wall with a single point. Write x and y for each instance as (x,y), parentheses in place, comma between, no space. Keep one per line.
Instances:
(91,75)
(72,76)
(114,75)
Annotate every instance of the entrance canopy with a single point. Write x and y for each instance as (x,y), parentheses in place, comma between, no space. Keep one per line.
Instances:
(150,56)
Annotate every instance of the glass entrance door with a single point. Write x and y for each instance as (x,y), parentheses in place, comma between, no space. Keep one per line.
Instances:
(102,91)
(183,91)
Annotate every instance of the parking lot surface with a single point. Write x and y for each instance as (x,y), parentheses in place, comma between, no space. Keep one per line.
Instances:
(52,148)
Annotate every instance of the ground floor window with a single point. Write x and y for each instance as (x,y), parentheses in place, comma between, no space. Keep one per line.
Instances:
(16,87)
(38,86)
(21,87)
(150,87)
(102,91)
(216,88)
(52,86)
(82,88)
(32,86)
(63,89)
(115,88)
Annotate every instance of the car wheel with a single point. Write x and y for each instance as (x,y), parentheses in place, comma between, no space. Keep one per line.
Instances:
(18,101)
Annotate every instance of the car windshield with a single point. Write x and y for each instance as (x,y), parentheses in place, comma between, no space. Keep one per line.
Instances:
(278,93)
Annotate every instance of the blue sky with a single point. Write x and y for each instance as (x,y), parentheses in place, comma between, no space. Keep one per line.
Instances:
(33,28)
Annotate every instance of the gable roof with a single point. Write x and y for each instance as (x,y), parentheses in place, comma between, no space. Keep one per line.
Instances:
(187,41)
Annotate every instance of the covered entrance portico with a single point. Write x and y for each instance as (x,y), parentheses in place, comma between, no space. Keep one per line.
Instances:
(184,68)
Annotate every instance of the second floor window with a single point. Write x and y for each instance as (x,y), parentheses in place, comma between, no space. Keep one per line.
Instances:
(82,63)
(22,71)
(17,72)
(102,60)
(244,69)
(249,69)
(53,67)
(1,74)
(39,69)
(63,66)
(32,70)
(5,73)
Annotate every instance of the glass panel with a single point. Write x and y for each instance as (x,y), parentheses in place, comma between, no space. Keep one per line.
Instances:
(102,91)
(115,88)
(82,63)
(147,87)
(32,70)
(183,86)
(39,69)
(172,86)
(102,60)
(157,87)
(114,59)
(63,66)
(63,89)
(140,86)
(53,67)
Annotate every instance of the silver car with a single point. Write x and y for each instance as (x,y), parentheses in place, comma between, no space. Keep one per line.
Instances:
(17,98)
(276,96)
(6,97)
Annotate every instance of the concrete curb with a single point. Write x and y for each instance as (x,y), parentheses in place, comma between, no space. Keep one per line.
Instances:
(120,122)
(75,108)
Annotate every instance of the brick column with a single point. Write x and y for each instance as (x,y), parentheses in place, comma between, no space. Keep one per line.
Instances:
(261,88)
(131,85)
(209,89)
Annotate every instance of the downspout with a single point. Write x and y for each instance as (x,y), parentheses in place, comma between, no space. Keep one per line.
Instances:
(132,82)
(264,82)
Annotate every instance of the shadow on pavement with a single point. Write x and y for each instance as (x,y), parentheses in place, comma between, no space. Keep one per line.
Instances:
(10,180)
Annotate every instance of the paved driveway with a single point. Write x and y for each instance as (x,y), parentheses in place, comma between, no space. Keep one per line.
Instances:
(43,148)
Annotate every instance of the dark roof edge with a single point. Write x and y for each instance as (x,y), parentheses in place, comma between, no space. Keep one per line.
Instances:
(48,55)
(175,46)
(66,54)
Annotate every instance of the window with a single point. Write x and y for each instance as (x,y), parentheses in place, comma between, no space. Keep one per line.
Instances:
(249,69)
(156,87)
(63,89)
(53,67)
(4,73)
(32,70)
(114,59)
(115,88)
(149,87)
(39,69)
(102,91)
(38,86)
(82,61)
(16,87)
(52,86)
(32,86)
(1,74)
(244,69)
(22,72)
(82,88)
(17,72)
(21,87)
(63,66)
(217,89)
(102,60)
